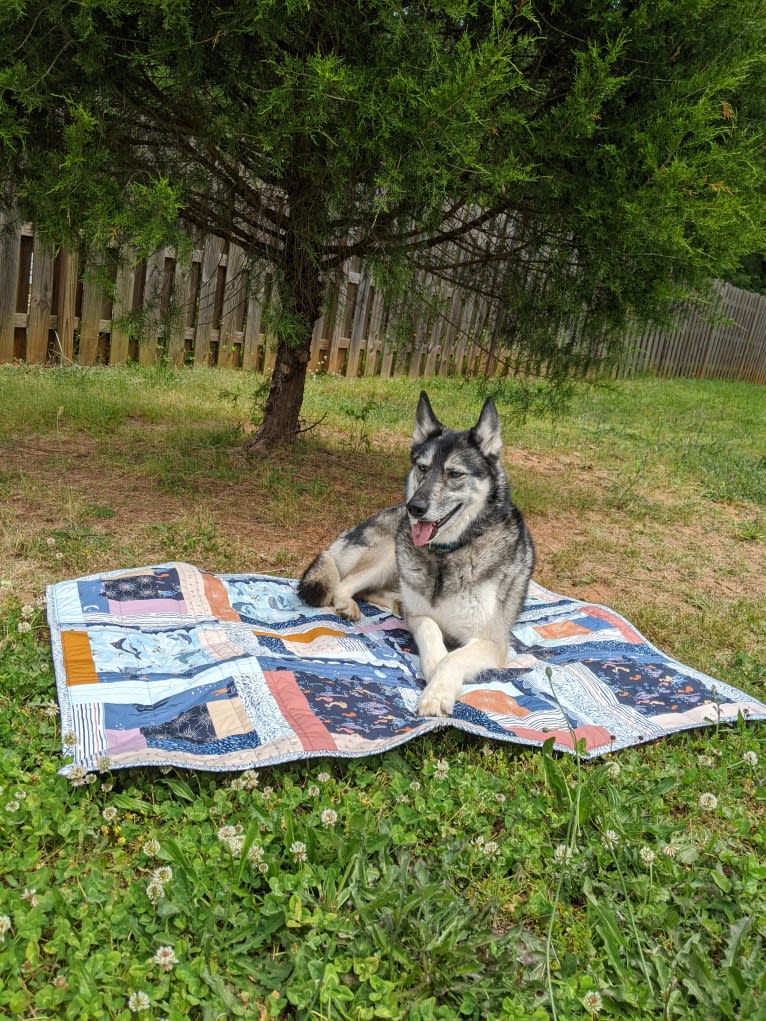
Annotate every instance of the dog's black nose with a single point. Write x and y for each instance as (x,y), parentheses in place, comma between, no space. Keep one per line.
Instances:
(417,508)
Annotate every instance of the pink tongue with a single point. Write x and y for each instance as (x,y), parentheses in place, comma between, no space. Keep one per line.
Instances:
(423,531)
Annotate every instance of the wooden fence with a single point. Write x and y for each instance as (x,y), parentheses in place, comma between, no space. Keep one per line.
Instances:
(207,310)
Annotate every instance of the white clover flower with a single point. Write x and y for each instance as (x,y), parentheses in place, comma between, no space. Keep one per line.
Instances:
(138,1002)
(30,896)
(104,764)
(263,866)
(647,855)
(441,769)
(24,627)
(298,850)
(165,958)
(235,844)
(27,611)
(151,848)
(500,798)
(225,833)
(5,926)
(267,792)
(562,852)
(750,758)
(706,760)
(323,777)
(90,778)
(12,806)
(50,709)
(78,776)
(155,891)
(490,848)
(69,740)
(329,817)
(708,802)
(163,874)
(255,854)
(614,769)
(415,785)
(50,541)
(20,795)
(592,1001)
(610,839)
(669,850)
(109,813)
(313,791)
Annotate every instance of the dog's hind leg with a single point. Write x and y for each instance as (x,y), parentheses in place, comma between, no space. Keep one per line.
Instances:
(371,576)
(323,585)
(320,581)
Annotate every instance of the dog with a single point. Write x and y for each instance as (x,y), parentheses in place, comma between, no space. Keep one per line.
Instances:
(454,559)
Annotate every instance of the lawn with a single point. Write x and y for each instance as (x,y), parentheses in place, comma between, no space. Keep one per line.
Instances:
(453,878)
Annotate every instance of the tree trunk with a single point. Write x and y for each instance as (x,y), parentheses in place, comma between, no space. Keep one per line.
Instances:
(301,294)
(283,404)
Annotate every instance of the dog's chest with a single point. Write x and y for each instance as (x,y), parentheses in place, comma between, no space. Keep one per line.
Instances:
(462,604)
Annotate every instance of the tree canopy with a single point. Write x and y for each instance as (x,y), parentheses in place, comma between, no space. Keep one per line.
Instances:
(578,163)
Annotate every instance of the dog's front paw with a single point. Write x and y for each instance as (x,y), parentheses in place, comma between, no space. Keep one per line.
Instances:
(438,698)
(348,609)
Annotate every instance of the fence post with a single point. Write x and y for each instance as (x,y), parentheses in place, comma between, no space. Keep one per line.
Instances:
(124,286)
(40,302)
(10,237)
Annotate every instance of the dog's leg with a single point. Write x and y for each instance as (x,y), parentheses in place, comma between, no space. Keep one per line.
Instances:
(454,670)
(370,577)
(430,642)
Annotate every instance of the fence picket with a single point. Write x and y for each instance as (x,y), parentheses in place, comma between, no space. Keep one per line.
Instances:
(40,301)
(10,254)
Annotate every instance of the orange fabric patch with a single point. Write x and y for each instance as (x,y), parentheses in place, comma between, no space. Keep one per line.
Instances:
(491,701)
(306,636)
(217,597)
(561,629)
(78,661)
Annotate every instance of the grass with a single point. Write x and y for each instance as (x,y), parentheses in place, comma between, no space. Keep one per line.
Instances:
(449,879)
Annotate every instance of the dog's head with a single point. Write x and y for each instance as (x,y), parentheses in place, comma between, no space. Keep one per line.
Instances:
(455,478)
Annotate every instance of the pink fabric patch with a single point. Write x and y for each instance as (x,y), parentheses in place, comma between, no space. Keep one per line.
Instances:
(125,741)
(141,607)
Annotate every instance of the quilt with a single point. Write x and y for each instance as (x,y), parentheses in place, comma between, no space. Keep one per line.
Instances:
(172,666)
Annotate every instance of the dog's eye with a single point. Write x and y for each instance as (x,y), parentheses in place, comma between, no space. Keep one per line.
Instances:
(421,469)
(455,474)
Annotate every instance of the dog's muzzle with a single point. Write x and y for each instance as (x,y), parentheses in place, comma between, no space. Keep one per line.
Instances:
(424,531)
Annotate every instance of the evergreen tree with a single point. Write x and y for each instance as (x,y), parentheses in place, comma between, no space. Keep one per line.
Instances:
(577,163)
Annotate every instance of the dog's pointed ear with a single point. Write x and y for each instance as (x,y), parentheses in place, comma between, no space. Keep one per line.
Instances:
(426,422)
(486,432)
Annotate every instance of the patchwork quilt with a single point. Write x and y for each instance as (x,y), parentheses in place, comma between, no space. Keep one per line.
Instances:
(170,665)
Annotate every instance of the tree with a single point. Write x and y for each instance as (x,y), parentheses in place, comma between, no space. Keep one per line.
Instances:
(577,163)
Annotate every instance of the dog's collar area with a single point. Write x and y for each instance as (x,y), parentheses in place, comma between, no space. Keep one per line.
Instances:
(444,547)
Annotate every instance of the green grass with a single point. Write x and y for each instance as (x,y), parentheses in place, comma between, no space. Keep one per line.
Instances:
(450,879)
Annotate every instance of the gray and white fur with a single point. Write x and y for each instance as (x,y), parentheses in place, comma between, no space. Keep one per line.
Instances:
(455,558)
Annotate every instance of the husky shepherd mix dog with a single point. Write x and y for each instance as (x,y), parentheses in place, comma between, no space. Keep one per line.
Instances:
(456,556)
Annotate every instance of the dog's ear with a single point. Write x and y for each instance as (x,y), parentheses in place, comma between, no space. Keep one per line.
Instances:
(486,432)
(426,422)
